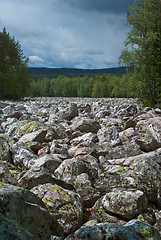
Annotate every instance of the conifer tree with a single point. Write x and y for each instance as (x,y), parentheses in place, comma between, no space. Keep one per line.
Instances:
(14,76)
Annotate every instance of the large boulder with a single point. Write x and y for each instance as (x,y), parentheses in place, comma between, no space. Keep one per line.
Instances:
(37,175)
(86,125)
(84,187)
(47,161)
(22,156)
(69,169)
(126,204)
(141,172)
(65,205)
(5,153)
(91,137)
(70,112)
(137,230)
(98,231)
(17,129)
(8,173)
(26,215)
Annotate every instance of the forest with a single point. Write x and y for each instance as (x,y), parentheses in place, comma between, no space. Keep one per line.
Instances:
(111,85)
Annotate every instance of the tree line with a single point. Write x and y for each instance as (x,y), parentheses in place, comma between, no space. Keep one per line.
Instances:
(112,85)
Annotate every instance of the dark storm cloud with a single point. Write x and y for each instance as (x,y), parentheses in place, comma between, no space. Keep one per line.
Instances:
(67,33)
(114,6)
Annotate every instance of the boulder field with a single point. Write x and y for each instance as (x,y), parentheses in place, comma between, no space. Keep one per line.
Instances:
(80,168)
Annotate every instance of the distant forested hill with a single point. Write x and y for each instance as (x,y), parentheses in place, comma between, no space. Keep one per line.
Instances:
(54,72)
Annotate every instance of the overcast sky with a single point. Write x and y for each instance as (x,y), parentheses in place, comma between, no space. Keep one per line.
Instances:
(67,33)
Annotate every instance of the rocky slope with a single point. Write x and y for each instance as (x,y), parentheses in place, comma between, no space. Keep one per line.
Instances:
(79,169)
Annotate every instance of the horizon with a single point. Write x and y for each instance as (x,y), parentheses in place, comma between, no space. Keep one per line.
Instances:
(79,68)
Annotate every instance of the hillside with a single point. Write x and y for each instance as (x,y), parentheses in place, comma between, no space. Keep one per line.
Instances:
(54,72)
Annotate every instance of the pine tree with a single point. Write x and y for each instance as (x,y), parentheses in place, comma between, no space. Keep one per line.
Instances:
(14,76)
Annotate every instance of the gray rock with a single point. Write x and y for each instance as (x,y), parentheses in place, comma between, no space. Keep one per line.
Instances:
(91,137)
(137,230)
(87,125)
(98,231)
(36,176)
(69,169)
(22,156)
(108,134)
(5,153)
(26,215)
(126,204)
(47,161)
(37,136)
(65,205)
(84,187)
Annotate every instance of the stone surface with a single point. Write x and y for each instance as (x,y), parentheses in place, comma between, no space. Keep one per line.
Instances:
(65,205)
(98,231)
(126,204)
(137,230)
(87,125)
(26,215)
(106,151)
(5,153)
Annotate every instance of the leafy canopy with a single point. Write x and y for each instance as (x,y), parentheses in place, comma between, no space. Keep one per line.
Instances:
(14,76)
(143,49)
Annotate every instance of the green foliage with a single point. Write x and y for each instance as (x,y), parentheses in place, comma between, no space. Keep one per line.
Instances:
(14,76)
(87,86)
(143,49)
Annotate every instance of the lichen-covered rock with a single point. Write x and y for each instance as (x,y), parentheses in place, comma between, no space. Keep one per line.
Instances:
(5,153)
(103,164)
(123,151)
(84,187)
(26,215)
(37,136)
(85,137)
(98,231)
(141,172)
(108,134)
(100,214)
(65,205)
(126,204)
(8,173)
(69,169)
(47,161)
(36,176)
(86,125)
(20,128)
(22,156)
(137,230)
